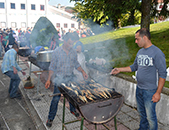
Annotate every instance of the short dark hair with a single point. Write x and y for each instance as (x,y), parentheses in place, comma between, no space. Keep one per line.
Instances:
(76,36)
(144,32)
(15,46)
(68,36)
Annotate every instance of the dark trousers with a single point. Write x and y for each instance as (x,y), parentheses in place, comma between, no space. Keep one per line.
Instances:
(55,100)
(14,83)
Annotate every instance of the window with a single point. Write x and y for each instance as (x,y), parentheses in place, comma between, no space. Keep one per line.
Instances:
(23,25)
(58,25)
(13,25)
(23,6)
(72,25)
(2,5)
(65,25)
(42,7)
(32,7)
(12,5)
(3,24)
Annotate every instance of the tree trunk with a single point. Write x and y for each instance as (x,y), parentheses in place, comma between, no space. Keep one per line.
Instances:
(145,18)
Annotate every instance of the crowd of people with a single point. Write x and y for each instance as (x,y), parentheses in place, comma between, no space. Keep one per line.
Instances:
(64,62)
(9,36)
(83,32)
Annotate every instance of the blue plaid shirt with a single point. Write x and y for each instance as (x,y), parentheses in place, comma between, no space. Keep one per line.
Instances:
(63,64)
(9,61)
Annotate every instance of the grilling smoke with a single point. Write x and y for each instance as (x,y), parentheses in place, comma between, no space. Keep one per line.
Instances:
(111,50)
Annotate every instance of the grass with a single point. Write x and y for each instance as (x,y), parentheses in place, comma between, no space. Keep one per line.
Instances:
(119,48)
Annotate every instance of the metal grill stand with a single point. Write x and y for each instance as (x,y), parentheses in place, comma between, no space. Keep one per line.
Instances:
(82,120)
(38,73)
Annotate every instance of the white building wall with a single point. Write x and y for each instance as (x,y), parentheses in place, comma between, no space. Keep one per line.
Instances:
(56,15)
(54,18)
(28,17)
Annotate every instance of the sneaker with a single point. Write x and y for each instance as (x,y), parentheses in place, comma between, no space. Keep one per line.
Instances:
(75,113)
(18,96)
(49,123)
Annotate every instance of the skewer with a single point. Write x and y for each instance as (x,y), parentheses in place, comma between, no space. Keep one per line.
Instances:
(40,71)
(55,94)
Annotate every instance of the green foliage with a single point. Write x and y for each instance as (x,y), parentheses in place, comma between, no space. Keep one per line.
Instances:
(42,32)
(100,11)
(164,11)
(125,18)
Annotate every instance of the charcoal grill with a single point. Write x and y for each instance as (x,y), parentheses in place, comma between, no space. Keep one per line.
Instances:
(43,65)
(99,103)
(24,51)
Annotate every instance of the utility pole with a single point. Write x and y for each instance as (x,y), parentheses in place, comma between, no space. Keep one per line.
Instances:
(27,13)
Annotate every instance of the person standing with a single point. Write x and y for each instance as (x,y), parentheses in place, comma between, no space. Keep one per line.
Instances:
(10,68)
(12,40)
(80,56)
(54,43)
(64,60)
(1,46)
(151,67)
(5,41)
(27,37)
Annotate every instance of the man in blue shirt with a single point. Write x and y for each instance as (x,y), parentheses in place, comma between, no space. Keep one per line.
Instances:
(151,67)
(64,60)
(10,68)
(39,48)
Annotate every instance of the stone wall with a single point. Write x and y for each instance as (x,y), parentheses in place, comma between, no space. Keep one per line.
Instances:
(127,87)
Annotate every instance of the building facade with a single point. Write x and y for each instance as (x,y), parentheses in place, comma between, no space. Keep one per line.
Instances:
(25,13)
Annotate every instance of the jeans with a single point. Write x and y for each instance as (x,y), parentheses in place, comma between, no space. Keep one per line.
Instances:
(54,103)
(14,83)
(146,109)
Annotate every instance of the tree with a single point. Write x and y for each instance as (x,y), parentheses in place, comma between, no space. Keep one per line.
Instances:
(165,9)
(102,10)
(145,18)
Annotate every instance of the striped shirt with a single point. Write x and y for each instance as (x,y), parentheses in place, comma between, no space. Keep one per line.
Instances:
(63,64)
(9,61)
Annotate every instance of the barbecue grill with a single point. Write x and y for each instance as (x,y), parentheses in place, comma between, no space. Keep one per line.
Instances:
(96,103)
(24,51)
(43,65)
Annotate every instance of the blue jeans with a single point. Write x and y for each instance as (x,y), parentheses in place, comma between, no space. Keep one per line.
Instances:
(55,100)
(146,109)
(14,83)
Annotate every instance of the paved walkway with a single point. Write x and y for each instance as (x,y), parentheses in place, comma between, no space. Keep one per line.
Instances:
(14,114)
(38,101)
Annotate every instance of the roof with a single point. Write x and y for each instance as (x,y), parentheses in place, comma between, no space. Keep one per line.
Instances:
(60,12)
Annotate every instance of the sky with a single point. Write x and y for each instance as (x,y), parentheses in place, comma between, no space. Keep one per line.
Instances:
(62,2)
